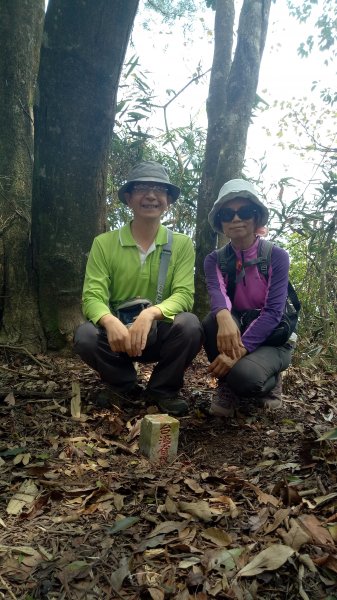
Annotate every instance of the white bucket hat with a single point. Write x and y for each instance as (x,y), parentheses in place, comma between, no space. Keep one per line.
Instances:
(236,188)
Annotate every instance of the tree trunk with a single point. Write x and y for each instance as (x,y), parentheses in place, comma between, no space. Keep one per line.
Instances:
(81,60)
(21,23)
(231,99)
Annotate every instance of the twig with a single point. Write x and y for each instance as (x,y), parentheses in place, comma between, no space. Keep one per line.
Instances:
(5,585)
(21,373)
(23,349)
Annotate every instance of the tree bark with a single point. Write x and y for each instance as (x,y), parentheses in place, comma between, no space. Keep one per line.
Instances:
(232,94)
(81,60)
(21,23)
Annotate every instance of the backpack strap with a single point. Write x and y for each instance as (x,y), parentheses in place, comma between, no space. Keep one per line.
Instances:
(226,260)
(165,258)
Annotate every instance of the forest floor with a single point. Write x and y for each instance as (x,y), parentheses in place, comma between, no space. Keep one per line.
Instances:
(248,510)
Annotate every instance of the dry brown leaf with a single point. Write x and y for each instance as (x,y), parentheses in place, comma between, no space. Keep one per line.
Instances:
(233,509)
(279,516)
(200,509)
(156,593)
(10,399)
(103,462)
(270,559)
(263,497)
(218,536)
(167,527)
(194,485)
(170,506)
(296,537)
(75,404)
(23,497)
(314,528)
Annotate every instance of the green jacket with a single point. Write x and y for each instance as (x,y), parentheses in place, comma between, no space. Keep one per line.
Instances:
(114,274)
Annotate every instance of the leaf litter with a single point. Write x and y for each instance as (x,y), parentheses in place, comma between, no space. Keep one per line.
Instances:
(247,510)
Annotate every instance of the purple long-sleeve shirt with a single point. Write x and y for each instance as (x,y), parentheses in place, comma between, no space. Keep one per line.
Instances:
(252,292)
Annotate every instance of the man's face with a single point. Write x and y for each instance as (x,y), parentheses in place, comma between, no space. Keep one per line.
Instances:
(148,200)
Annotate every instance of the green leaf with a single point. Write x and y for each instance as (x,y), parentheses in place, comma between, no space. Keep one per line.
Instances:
(123,524)
(12,451)
(329,435)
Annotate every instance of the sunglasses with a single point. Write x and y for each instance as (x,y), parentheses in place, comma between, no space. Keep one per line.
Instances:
(226,215)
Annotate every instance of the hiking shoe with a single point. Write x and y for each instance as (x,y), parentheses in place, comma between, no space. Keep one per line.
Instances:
(224,401)
(273,400)
(176,407)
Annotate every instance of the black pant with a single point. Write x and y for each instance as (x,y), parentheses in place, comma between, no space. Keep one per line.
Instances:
(255,374)
(176,345)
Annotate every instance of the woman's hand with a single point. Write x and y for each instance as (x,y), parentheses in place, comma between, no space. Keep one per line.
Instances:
(228,337)
(223,363)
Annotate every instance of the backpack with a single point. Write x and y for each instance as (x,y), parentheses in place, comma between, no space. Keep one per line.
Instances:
(226,260)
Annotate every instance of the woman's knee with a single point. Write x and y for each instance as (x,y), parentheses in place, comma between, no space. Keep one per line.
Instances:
(247,378)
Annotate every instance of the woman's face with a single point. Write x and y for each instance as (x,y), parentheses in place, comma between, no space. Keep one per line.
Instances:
(240,229)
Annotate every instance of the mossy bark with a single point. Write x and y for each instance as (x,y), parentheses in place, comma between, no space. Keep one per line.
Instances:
(231,99)
(81,60)
(21,23)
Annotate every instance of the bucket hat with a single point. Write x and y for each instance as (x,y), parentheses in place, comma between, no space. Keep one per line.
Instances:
(236,188)
(149,171)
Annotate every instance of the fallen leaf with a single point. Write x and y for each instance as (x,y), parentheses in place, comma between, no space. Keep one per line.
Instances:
(194,485)
(123,524)
(317,532)
(296,537)
(270,559)
(233,509)
(201,510)
(156,593)
(75,404)
(167,527)
(10,399)
(117,577)
(217,536)
(23,497)
(189,562)
(221,558)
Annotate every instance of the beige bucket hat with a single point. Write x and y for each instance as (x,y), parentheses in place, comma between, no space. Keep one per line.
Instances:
(236,188)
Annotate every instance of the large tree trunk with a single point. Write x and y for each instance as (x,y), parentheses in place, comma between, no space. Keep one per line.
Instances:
(231,99)
(81,60)
(21,23)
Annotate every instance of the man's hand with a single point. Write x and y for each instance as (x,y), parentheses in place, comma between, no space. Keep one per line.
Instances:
(222,364)
(228,337)
(140,328)
(138,331)
(117,334)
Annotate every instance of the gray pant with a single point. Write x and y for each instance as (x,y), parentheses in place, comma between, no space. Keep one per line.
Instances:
(255,374)
(176,346)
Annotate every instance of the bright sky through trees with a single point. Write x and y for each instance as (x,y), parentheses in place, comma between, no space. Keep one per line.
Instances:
(171,59)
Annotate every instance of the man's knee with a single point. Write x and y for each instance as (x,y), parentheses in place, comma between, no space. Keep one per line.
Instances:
(85,338)
(188,326)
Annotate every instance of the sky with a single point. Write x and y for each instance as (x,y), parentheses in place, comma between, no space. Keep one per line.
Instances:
(171,60)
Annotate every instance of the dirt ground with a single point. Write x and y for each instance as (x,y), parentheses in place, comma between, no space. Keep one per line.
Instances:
(246,511)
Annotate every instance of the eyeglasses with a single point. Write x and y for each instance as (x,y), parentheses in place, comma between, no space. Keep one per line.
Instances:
(244,213)
(145,188)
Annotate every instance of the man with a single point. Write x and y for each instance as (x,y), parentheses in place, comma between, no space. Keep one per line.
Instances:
(125,264)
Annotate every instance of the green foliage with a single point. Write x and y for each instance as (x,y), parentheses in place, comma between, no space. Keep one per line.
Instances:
(323,36)
(172,9)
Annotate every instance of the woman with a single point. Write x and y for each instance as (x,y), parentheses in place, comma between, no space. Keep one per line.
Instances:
(245,366)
